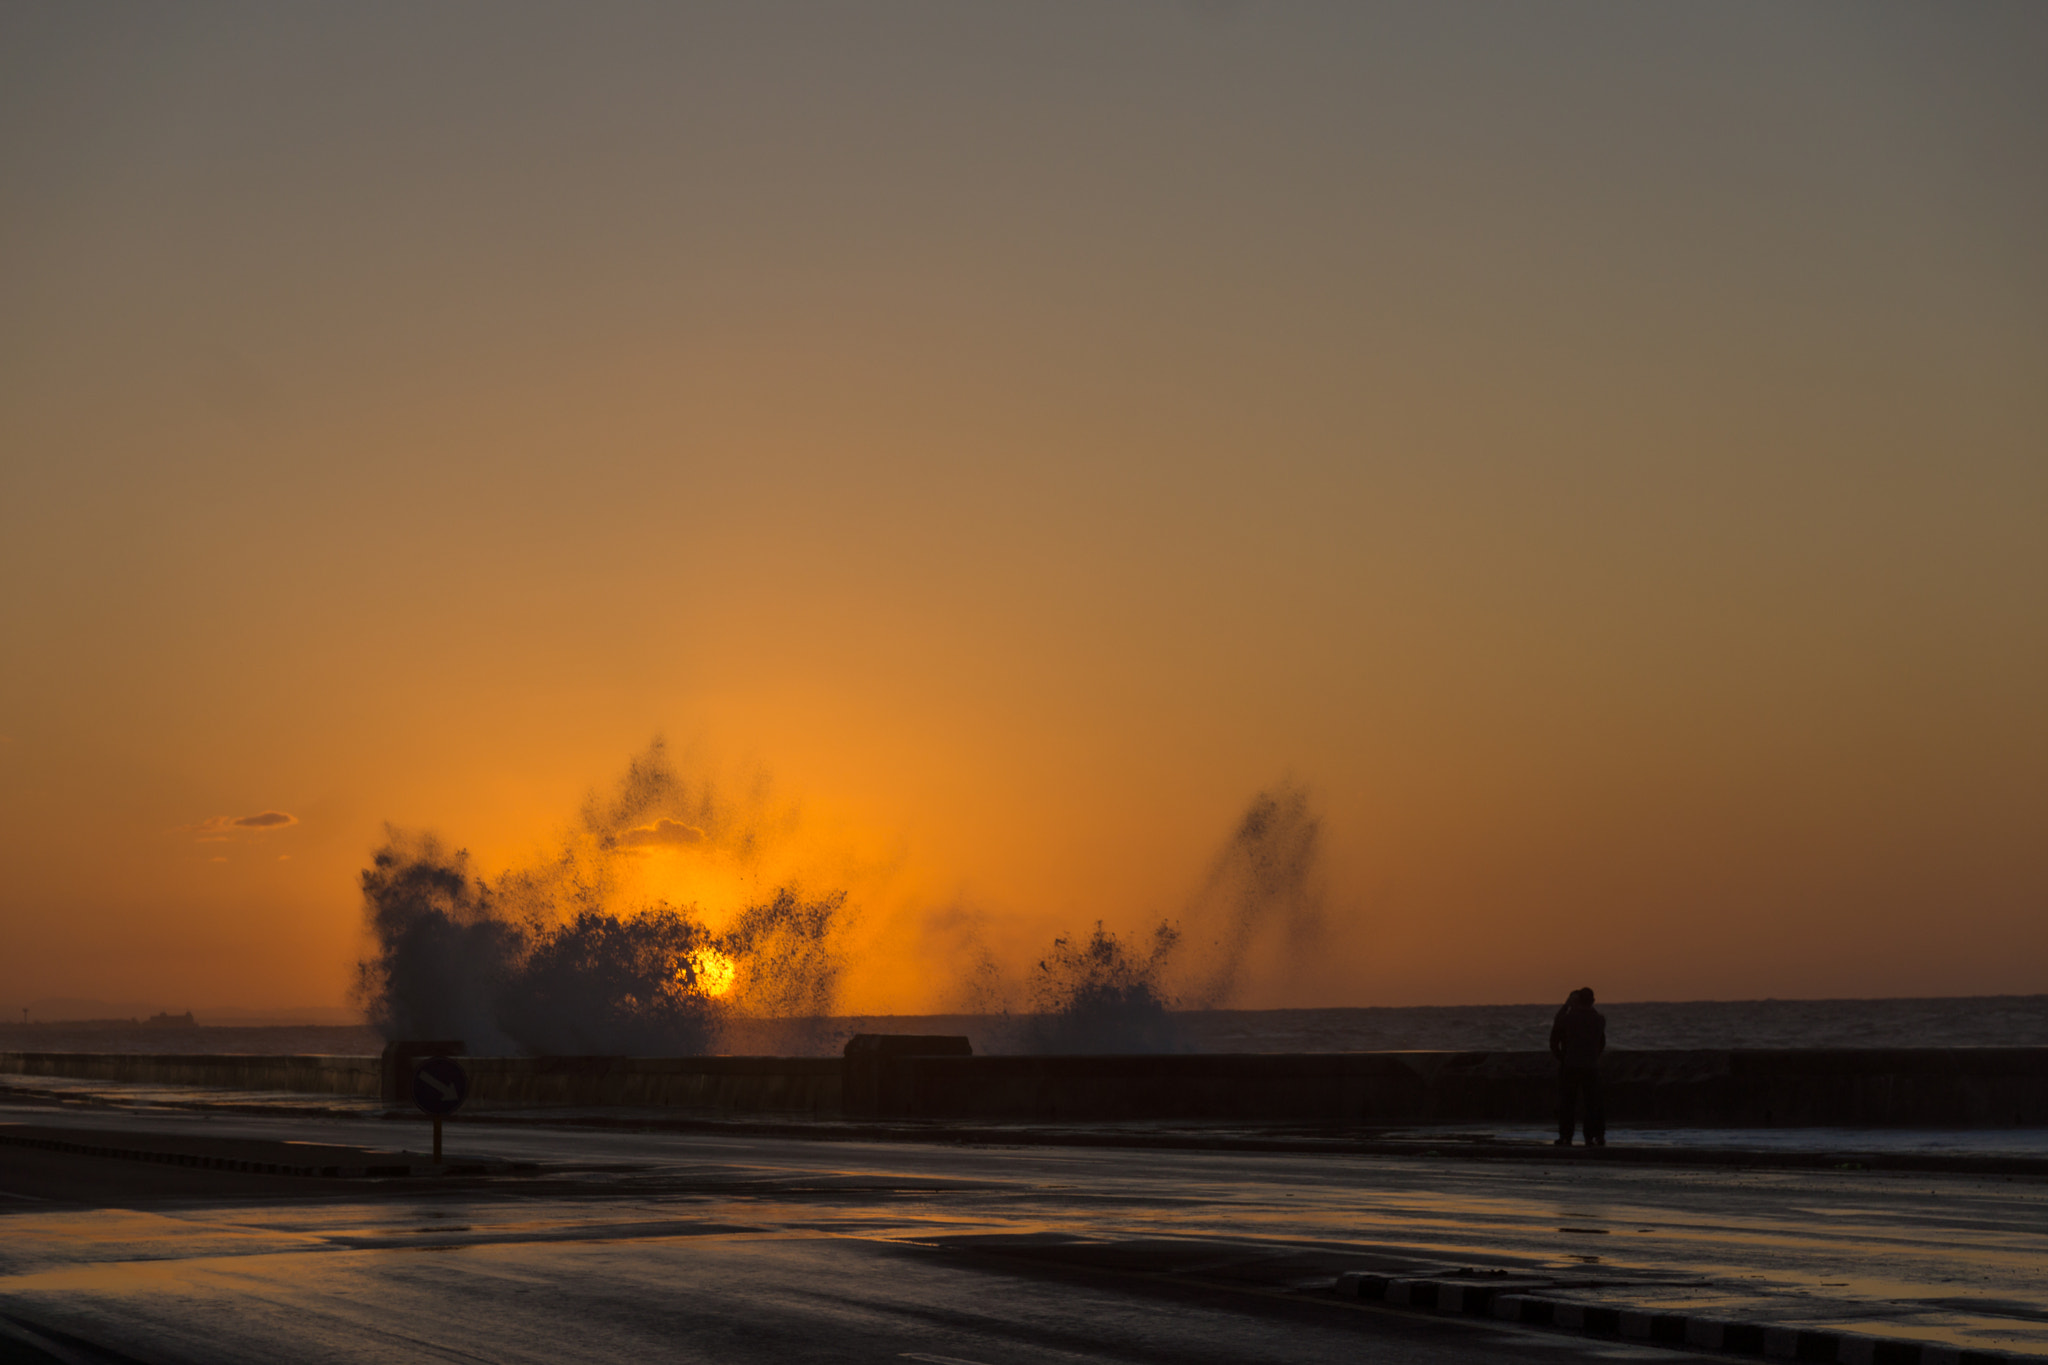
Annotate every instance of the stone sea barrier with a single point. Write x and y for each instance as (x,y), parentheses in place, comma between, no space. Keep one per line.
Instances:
(313,1075)
(1781,1088)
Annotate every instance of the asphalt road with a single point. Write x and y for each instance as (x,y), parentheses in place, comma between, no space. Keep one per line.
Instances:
(639,1246)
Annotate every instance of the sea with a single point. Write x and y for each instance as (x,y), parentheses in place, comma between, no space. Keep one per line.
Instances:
(1961,1021)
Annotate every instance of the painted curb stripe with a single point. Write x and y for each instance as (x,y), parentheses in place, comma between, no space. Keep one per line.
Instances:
(1711,1332)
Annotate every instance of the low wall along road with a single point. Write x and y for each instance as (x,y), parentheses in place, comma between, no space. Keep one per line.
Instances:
(315,1075)
(1932,1087)
(1945,1088)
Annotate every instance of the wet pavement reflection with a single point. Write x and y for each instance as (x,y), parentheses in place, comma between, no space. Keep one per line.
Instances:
(613,1215)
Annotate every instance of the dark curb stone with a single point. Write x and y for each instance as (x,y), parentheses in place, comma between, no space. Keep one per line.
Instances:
(1669,1329)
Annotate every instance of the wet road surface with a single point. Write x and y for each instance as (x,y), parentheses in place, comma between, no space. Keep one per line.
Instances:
(627,1245)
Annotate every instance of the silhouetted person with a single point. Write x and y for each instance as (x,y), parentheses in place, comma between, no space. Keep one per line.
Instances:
(1577,1038)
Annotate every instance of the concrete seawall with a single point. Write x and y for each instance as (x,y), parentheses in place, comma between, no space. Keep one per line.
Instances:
(1932,1087)
(1970,1088)
(719,1085)
(315,1075)
(724,1085)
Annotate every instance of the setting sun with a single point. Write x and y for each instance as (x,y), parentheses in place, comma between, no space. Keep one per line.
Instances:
(713,973)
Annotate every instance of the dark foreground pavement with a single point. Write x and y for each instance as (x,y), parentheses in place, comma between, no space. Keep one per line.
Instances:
(564,1245)
(159,1265)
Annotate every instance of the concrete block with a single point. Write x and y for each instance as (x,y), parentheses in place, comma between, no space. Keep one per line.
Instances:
(1568,1314)
(1781,1343)
(1636,1323)
(1600,1318)
(1820,1345)
(1361,1284)
(1705,1332)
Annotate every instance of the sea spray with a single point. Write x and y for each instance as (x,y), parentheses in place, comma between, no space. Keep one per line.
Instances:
(611,985)
(443,954)
(1263,889)
(559,958)
(568,955)
(1266,881)
(788,953)
(1099,994)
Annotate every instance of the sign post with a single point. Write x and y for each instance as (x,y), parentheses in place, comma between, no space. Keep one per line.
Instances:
(439,1086)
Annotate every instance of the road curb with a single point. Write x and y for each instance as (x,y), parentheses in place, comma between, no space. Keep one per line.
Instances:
(1698,1331)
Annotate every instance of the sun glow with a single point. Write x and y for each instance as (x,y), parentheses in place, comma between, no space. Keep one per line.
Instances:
(713,972)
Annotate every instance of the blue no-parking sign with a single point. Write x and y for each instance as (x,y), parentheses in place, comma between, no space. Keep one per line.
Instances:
(440,1085)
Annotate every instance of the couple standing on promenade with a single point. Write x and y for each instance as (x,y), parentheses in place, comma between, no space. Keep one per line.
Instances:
(1577,1038)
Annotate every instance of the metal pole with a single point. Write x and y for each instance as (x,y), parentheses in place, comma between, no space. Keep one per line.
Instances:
(437,1139)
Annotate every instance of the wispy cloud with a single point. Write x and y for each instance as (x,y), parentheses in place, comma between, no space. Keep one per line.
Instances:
(269,819)
(662,833)
(218,829)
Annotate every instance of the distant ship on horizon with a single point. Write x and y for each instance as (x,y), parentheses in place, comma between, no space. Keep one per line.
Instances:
(165,1019)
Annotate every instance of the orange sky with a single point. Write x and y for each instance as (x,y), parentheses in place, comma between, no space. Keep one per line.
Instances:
(1601,452)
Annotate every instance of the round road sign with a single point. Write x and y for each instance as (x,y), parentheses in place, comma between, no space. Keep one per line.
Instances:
(440,1085)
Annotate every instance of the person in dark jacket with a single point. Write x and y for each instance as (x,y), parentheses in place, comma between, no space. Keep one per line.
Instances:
(1577,1038)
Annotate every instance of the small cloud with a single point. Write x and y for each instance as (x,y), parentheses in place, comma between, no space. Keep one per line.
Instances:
(219,829)
(284,857)
(270,819)
(662,833)
(216,859)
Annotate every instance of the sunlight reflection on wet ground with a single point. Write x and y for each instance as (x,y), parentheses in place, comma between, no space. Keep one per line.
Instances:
(1945,1257)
